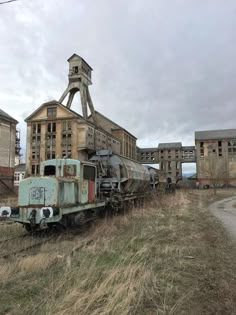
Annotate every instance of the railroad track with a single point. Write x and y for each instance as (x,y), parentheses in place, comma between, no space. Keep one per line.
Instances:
(13,238)
(27,247)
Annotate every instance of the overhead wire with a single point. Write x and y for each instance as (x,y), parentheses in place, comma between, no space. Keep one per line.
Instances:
(4,2)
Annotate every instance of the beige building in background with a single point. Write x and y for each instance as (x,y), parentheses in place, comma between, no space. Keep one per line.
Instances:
(7,151)
(55,131)
(216,157)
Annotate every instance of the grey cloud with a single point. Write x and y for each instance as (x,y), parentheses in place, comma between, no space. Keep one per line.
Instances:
(162,69)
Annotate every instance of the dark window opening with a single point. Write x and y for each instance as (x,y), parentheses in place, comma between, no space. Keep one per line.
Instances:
(75,69)
(36,128)
(219,143)
(201,144)
(51,111)
(89,172)
(49,170)
(35,169)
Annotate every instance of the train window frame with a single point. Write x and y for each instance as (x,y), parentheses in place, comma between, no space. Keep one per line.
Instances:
(87,175)
(49,170)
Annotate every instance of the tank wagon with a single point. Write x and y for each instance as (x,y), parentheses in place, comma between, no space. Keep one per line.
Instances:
(120,180)
(70,192)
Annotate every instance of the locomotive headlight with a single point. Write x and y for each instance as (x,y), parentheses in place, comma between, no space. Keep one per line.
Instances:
(46,212)
(5,211)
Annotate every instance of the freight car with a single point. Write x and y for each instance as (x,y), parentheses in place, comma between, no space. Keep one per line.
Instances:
(120,181)
(70,192)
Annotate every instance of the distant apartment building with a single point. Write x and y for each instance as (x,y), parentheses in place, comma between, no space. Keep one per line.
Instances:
(216,157)
(7,151)
(56,131)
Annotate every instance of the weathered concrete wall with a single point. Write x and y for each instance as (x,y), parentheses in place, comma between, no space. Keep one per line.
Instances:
(6,179)
(7,143)
(216,162)
(127,141)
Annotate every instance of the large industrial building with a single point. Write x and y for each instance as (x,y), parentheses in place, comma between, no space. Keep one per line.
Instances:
(56,131)
(216,157)
(7,151)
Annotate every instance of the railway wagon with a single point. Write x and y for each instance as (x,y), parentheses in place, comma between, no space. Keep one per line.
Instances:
(70,192)
(120,180)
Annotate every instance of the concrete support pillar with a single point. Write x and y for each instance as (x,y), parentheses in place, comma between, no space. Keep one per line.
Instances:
(28,149)
(58,140)
(43,141)
(74,141)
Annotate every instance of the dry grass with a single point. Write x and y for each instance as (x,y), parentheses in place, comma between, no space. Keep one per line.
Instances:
(172,257)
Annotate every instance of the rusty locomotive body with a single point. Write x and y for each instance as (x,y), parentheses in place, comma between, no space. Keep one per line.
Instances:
(70,192)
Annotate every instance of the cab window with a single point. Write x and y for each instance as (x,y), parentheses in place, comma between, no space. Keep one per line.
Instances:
(49,170)
(89,172)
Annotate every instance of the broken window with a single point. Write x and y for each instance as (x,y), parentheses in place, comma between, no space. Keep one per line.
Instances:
(35,169)
(75,69)
(36,128)
(50,154)
(51,111)
(232,148)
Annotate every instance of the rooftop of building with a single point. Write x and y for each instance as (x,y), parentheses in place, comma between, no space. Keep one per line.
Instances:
(188,147)
(5,116)
(56,103)
(215,134)
(53,103)
(77,56)
(171,145)
(118,127)
(20,167)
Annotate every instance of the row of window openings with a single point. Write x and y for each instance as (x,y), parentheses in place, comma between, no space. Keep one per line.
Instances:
(147,157)
(169,166)
(51,127)
(231,143)
(231,151)
(18,176)
(152,153)
(50,152)
(52,155)
(50,137)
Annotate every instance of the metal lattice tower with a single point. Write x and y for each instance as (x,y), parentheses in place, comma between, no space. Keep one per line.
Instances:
(79,80)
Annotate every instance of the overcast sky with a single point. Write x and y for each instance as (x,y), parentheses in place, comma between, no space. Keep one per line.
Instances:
(162,68)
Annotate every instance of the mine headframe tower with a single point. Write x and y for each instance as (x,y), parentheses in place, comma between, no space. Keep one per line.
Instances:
(79,80)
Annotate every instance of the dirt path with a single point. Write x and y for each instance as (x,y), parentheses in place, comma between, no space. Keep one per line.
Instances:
(225,210)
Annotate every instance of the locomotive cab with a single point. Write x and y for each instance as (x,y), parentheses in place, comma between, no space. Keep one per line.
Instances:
(66,188)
